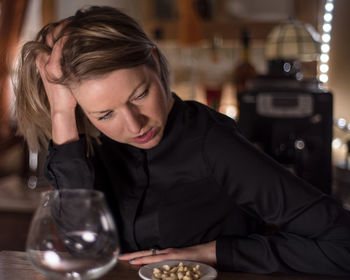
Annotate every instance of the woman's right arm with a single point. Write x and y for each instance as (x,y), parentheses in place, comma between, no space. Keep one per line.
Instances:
(61,99)
(66,165)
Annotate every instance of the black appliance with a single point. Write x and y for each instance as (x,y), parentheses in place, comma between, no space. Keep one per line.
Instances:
(293,126)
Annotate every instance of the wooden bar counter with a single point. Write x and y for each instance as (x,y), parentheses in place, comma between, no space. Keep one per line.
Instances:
(15,266)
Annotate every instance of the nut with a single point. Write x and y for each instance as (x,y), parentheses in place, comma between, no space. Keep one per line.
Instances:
(179,272)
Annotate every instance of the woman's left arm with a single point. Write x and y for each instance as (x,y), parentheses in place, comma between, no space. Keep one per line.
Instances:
(312,229)
(205,253)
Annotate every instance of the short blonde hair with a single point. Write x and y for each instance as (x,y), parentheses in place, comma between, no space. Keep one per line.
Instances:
(100,40)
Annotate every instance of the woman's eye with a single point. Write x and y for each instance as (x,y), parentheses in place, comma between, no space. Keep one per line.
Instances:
(142,95)
(105,116)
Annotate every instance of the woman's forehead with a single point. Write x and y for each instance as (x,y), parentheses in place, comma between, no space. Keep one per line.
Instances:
(116,86)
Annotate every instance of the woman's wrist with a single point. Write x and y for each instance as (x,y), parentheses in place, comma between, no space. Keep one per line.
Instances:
(211,251)
(64,127)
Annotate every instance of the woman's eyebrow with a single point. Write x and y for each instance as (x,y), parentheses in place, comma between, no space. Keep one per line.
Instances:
(144,81)
(100,112)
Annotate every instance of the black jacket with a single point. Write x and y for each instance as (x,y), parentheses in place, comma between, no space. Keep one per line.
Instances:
(205,182)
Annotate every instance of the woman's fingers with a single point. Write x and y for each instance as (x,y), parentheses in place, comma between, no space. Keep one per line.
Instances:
(41,61)
(60,96)
(148,256)
(53,67)
(143,257)
(145,253)
(49,64)
(155,258)
(54,33)
(205,253)
(137,254)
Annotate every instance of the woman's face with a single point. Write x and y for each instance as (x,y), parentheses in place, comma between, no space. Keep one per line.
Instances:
(128,105)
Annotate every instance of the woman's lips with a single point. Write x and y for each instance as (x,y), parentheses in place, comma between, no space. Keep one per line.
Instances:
(144,138)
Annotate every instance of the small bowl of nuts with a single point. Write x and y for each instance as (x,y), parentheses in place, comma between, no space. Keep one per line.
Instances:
(177,270)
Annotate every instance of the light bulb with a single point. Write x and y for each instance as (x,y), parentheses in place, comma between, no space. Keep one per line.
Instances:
(327,27)
(329,7)
(231,111)
(327,17)
(324,58)
(326,38)
(324,68)
(324,78)
(341,123)
(325,48)
(336,143)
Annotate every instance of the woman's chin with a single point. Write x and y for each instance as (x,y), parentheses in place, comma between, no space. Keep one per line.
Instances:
(149,145)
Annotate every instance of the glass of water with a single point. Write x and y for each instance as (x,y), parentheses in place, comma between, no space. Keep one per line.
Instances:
(72,235)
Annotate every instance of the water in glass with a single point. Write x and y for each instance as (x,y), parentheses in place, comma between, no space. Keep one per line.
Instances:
(72,235)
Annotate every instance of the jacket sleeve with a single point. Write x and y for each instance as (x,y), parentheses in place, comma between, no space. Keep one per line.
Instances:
(313,230)
(68,167)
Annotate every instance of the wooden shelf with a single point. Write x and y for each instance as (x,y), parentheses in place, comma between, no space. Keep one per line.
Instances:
(227,29)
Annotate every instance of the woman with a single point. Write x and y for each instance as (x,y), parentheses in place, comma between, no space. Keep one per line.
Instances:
(181,181)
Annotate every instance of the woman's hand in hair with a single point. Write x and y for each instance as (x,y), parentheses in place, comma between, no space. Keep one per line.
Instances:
(61,99)
(205,253)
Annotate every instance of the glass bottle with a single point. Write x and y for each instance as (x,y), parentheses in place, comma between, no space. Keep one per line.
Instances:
(214,76)
(244,70)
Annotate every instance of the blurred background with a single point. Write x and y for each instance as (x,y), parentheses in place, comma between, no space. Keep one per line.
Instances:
(280,68)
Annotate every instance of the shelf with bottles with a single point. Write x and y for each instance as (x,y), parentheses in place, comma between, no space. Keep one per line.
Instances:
(192,64)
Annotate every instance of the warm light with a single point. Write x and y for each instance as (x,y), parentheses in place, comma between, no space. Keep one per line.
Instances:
(293,40)
(73,275)
(325,48)
(327,27)
(327,17)
(326,38)
(33,160)
(324,68)
(89,236)
(51,259)
(324,78)
(329,7)
(105,223)
(231,111)
(324,58)
(341,123)
(336,143)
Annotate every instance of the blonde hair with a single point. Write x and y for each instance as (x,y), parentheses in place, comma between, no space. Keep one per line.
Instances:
(100,40)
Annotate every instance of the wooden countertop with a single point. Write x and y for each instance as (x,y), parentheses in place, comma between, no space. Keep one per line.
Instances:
(15,266)
(15,196)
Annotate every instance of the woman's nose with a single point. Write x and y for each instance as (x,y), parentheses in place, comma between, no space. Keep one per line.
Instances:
(134,120)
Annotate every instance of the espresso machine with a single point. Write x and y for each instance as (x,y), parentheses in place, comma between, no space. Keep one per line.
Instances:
(292,122)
